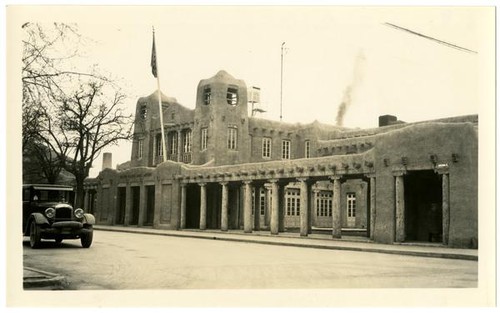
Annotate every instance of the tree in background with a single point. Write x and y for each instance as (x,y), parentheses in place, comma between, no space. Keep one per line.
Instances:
(70,113)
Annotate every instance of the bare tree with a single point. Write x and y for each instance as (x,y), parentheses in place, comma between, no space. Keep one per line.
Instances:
(79,126)
(70,114)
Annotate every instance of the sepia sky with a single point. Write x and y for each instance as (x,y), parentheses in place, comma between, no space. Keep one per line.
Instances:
(329,52)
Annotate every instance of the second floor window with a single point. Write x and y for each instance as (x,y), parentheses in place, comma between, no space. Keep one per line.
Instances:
(187,141)
(232,138)
(232,96)
(285,149)
(207,95)
(159,149)
(140,148)
(173,143)
(204,138)
(307,152)
(266,147)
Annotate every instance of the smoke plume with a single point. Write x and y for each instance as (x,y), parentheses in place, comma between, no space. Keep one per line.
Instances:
(357,77)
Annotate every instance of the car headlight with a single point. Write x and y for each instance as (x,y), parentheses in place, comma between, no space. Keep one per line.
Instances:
(50,213)
(79,213)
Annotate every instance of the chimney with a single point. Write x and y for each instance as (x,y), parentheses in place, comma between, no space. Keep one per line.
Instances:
(385,120)
(106,160)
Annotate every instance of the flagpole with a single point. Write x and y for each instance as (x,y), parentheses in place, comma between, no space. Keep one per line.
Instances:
(160,108)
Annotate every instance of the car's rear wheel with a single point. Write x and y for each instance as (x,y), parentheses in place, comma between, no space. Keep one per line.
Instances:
(35,236)
(58,239)
(86,239)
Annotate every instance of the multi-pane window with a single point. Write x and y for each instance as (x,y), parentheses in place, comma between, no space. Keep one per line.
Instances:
(292,202)
(173,143)
(158,145)
(266,147)
(307,147)
(285,149)
(207,95)
(259,201)
(140,148)
(187,141)
(232,96)
(204,138)
(351,204)
(324,203)
(232,138)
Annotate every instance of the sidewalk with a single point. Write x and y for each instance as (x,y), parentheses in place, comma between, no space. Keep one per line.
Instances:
(317,241)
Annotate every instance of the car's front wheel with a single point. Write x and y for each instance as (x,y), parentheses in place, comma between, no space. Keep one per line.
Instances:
(86,239)
(35,236)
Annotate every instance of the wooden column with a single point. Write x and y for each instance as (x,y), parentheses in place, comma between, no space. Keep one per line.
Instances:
(256,211)
(247,207)
(142,204)
(400,207)
(179,145)
(128,204)
(183,206)
(275,207)
(336,210)
(267,206)
(158,203)
(203,206)
(304,207)
(281,207)
(224,215)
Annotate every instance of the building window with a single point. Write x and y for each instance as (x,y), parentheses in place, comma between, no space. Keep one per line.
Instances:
(351,205)
(324,203)
(285,149)
(173,143)
(140,148)
(232,138)
(207,95)
(292,202)
(266,147)
(204,138)
(159,149)
(307,152)
(262,201)
(187,141)
(143,112)
(232,96)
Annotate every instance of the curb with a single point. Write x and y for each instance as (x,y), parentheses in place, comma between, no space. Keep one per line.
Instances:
(42,280)
(216,236)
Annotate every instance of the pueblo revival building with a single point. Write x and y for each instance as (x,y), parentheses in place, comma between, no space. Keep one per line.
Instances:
(225,170)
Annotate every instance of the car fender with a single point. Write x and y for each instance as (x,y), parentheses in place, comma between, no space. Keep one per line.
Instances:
(88,219)
(39,218)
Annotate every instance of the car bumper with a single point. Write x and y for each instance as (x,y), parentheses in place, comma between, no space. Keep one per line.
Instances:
(68,229)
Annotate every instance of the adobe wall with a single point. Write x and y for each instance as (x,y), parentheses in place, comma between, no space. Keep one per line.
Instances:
(417,143)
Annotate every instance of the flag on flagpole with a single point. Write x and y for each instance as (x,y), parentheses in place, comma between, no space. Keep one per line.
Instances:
(153,58)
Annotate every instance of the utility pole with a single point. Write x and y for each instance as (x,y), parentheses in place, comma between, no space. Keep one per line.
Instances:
(281,90)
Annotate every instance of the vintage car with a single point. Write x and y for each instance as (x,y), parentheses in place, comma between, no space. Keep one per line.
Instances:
(48,214)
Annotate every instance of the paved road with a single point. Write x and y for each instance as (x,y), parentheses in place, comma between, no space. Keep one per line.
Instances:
(136,261)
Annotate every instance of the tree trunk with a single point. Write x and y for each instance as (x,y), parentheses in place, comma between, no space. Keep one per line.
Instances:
(79,192)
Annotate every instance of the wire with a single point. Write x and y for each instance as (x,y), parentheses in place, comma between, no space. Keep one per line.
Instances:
(430,38)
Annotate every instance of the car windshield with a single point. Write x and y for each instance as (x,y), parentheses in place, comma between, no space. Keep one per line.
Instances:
(52,195)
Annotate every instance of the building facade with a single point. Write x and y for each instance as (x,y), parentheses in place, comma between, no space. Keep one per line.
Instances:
(225,169)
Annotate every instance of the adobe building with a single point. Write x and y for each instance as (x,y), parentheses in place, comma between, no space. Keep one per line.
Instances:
(225,170)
